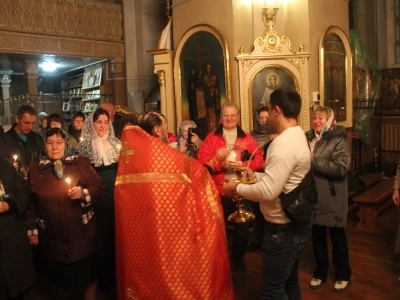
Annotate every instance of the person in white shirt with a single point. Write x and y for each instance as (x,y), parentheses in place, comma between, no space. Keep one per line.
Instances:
(289,160)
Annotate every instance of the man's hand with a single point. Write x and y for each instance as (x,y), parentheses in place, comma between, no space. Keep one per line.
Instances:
(250,172)
(395,197)
(4,207)
(229,186)
(34,240)
(75,193)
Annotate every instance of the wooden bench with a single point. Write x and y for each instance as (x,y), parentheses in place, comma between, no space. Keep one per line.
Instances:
(369,179)
(371,202)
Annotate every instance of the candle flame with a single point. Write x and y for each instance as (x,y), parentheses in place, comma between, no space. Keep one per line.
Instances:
(15,157)
(232,156)
(68,180)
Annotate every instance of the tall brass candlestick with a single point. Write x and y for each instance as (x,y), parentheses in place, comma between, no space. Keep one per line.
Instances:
(241,215)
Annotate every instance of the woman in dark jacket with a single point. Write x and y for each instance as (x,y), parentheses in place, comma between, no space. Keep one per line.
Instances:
(17,272)
(61,220)
(330,164)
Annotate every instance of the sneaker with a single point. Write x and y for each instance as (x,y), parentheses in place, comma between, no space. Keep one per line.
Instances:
(340,286)
(239,263)
(315,283)
(253,247)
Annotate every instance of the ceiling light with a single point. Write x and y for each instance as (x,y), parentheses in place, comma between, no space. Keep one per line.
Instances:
(48,66)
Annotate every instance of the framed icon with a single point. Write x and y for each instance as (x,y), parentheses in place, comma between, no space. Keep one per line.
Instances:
(335,75)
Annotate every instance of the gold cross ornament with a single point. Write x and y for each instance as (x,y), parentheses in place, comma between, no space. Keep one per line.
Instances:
(126,152)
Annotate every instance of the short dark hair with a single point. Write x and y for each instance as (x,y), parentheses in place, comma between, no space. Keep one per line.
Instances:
(129,118)
(26,109)
(262,108)
(54,117)
(150,120)
(77,115)
(57,131)
(98,112)
(288,100)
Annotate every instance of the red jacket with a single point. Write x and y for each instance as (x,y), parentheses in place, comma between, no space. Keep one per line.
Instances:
(215,140)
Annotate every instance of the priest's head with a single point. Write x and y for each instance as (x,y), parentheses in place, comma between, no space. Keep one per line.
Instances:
(154,124)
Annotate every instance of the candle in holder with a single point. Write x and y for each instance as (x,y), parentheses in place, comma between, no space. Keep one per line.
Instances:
(81,139)
(68,180)
(15,158)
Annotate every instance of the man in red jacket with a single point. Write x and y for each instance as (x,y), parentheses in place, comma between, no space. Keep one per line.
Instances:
(244,152)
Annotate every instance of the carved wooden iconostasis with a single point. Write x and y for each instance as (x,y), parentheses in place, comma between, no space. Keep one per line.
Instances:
(271,65)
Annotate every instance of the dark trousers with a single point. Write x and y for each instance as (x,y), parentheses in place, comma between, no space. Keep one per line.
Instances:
(241,233)
(340,252)
(258,223)
(282,245)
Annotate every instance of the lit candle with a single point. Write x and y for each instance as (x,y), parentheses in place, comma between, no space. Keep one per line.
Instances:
(119,147)
(81,139)
(68,180)
(232,156)
(15,158)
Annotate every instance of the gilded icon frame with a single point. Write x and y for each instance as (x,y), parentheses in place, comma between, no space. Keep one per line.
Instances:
(259,86)
(335,75)
(214,49)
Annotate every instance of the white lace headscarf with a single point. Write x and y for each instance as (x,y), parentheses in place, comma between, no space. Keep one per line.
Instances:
(101,150)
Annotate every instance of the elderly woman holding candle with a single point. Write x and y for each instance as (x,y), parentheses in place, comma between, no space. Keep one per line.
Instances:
(102,147)
(61,219)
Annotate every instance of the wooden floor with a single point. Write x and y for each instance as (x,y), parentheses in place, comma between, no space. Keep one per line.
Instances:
(375,268)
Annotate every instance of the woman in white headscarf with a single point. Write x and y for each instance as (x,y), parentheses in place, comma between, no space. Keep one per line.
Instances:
(102,147)
(330,163)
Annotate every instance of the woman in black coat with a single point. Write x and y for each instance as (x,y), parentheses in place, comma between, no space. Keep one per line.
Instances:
(17,273)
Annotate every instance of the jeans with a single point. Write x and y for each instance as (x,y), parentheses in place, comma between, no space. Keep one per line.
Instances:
(282,247)
(241,233)
(340,252)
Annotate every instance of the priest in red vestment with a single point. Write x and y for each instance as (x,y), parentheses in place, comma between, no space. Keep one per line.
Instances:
(170,231)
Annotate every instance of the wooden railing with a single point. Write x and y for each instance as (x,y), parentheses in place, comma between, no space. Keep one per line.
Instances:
(71,18)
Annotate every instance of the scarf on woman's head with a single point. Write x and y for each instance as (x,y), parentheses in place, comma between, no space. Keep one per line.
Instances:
(328,126)
(101,150)
(58,166)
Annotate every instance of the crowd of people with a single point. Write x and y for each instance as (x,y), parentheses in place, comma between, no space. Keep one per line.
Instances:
(123,204)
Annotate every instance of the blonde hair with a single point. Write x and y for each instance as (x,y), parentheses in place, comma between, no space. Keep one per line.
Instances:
(324,110)
(230,104)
